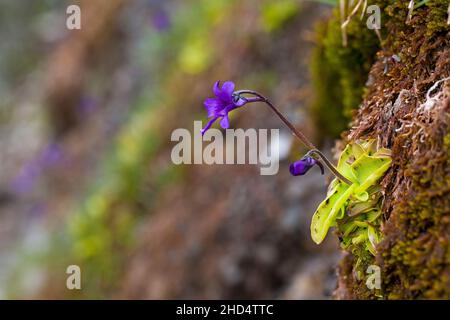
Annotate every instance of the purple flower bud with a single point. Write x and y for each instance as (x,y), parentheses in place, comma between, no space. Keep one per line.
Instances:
(300,167)
(224,102)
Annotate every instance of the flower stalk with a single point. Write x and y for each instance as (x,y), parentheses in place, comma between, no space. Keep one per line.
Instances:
(313,151)
(227,100)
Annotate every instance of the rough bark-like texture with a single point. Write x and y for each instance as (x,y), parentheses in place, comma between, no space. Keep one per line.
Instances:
(407,109)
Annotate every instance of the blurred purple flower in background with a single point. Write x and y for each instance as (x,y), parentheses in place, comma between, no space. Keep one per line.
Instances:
(38,210)
(51,155)
(223,103)
(300,167)
(86,105)
(31,171)
(160,20)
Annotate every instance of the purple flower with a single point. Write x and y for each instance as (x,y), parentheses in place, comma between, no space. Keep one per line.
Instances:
(300,167)
(51,155)
(24,182)
(86,105)
(223,103)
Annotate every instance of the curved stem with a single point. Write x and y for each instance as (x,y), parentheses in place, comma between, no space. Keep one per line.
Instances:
(295,131)
(330,166)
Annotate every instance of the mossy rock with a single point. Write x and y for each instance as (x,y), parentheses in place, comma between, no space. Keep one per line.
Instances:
(339,72)
(398,108)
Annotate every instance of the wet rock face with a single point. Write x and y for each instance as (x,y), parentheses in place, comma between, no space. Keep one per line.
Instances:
(407,109)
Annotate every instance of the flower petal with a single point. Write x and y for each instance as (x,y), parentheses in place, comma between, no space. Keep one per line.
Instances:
(225,122)
(300,167)
(216,89)
(208,125)
(223,112)
(226,93)
(228,87)
(239,102)
(297,168)
(213,106)
(320,166)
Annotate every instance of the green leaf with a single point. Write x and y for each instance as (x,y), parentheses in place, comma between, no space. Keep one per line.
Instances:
(368,169)
(326,213)
(373,239)
(364,165)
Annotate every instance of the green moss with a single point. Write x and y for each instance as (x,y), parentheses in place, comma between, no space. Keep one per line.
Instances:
(339,73)
(328,105)
(435,18)
(422,255)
